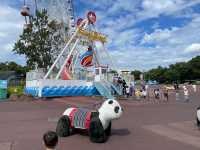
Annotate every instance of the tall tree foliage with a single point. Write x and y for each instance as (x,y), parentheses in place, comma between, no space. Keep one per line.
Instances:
(12,66)
(181,72)
(136,74)
(40,43)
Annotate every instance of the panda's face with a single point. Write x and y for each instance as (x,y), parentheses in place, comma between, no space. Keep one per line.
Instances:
(112,109)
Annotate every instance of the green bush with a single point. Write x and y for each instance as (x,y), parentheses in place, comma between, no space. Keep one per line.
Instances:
(17,90)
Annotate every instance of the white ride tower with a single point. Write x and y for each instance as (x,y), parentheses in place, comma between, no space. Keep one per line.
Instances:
(61,11)
(62,80)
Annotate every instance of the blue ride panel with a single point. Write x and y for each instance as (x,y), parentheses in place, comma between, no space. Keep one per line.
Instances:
(32,91)
(63,91)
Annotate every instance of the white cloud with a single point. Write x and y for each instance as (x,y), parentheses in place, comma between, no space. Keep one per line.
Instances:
(154,8)
(156,5)
(116,18)
(173,44)
(8,47)
(181,36)
(194,47)
(10,29)
(157,36)
(169,42)
(2,34)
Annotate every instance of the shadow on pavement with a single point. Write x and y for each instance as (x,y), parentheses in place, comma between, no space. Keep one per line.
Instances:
(120,132)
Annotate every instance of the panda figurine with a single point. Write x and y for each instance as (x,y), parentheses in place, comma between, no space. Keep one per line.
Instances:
(97,123)
(198,117)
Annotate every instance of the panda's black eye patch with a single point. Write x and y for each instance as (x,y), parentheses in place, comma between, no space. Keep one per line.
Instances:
(110,102)
(116,109)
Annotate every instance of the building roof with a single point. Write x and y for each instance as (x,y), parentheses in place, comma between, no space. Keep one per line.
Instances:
(7,75)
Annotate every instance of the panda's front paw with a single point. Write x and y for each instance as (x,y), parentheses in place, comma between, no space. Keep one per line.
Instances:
(197,122)
(108,129)
(96,131)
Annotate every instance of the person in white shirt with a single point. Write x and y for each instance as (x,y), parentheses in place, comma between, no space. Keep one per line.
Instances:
(157,93)
(127,91)
(194,87)
(186,93)
(144,93)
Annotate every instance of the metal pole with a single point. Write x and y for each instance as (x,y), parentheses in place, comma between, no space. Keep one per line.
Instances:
(64,49)
(36,5)
(69,55)
(106,52)
(75,62)
(109,57)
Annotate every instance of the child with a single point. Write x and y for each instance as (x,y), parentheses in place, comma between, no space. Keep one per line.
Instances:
(50,139)
(166,96)
(157,94)
(137,94)
(127,91)
(194,88)
(186,94)
(131,90)
(144,93)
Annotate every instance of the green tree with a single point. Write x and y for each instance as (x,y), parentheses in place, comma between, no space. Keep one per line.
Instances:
(157,74)
(136,74)
(12,66)
(40,42)
(194,66)
(181,72)
(113,71)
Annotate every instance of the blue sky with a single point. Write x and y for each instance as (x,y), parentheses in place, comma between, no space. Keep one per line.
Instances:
(142,33)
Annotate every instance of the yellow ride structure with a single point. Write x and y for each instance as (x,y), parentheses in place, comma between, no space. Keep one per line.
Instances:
(92,35)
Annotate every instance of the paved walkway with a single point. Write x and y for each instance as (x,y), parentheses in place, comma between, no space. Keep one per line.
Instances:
(144,125)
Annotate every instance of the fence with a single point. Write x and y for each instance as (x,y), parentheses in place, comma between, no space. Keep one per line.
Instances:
(3,89)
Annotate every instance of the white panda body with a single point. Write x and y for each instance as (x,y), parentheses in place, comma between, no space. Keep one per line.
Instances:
(68,111)
(198,114)
(198,117)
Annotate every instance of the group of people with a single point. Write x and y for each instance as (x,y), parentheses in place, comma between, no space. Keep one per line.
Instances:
(131,90)
(137,92)
(185,89)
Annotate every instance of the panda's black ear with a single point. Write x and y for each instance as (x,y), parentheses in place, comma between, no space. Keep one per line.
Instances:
(110,102)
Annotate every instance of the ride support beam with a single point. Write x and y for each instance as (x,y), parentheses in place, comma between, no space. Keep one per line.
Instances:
(69,55)
(64,49)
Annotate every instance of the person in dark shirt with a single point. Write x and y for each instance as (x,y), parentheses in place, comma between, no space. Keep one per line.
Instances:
(124,86)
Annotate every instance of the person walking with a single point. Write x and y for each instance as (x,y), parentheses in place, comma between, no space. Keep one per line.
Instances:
(127,91)
(131,89)
(124,87)
(144,93)
(157,93)
(194,88)
(186,94)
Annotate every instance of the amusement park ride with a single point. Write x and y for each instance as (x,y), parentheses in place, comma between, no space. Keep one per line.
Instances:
(78,69)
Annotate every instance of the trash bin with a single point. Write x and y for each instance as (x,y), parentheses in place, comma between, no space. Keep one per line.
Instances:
(3,90)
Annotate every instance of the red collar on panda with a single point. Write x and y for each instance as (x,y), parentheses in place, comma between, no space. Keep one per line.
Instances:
(80,118)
